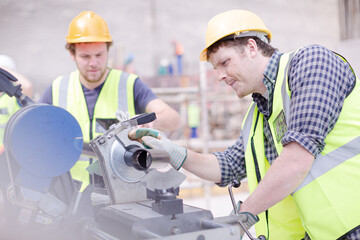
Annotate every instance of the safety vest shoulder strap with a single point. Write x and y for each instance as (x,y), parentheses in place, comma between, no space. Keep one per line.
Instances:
(116,93)
(246,125)
(333,171)
(60,89)
(282,220)
(126,91)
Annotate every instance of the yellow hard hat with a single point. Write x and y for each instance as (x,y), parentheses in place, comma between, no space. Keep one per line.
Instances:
(241,23)
(88,27)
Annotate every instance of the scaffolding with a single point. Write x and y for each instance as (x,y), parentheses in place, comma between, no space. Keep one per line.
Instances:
(220,120)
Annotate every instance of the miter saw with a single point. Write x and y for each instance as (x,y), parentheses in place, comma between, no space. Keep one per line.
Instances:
(143,197)
(42,201)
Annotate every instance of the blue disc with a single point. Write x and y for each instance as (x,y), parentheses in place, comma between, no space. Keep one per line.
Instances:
(45,140)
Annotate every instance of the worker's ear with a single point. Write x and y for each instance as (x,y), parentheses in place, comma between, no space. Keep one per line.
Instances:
(72,55)
(253,48)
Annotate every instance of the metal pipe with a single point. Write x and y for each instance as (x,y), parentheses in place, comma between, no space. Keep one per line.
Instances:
(235,183)
(144,233)
(140,158)
(160,158)
(137,158)
(143,159)
(88,151)
(232,198)
(94,232)
(209,224)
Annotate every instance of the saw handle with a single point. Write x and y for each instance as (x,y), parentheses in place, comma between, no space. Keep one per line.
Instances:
(6,83)
(145,118)
(7,86)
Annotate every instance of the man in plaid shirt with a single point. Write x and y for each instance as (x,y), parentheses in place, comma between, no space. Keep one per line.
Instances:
(303,131)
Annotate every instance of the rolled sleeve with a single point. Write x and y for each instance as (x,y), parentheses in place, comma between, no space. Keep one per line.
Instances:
(309,143)
(319,82)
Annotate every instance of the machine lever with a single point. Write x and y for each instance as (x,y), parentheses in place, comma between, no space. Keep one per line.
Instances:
(141,119)
(145,118)
(236,183)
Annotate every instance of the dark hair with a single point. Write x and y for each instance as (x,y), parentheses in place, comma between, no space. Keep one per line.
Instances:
(71,47)
(266,49)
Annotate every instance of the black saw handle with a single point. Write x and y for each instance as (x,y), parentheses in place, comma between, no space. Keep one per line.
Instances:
(7,85)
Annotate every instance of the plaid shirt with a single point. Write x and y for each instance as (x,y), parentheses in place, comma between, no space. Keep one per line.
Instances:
(319,82)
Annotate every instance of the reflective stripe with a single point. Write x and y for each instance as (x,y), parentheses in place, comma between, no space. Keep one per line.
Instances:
(282,220)
(4,111)
(320,201)
(324,164)
(114,95)
(122,91)
(247,125)
(130,92)
(284,92)
(63,89)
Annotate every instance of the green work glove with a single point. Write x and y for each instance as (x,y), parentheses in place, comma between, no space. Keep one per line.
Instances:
(157,140)
(246,218)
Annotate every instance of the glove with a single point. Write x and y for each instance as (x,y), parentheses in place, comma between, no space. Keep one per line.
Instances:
(151,138)
(246,218)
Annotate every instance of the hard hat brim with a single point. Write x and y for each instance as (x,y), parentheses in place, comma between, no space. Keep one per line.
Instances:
(88,39)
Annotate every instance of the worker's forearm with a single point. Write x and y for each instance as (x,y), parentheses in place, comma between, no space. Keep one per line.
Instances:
(167,120)
(205,166)
(283,177)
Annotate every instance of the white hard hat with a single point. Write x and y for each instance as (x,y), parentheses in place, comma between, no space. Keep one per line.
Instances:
(7,62)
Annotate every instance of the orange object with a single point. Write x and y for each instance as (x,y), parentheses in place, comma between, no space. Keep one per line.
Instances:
(179,49)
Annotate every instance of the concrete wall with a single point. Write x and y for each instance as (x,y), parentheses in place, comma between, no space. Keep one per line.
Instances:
(33,32)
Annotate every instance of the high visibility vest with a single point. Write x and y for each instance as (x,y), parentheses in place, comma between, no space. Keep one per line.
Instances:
(282,220)
(8,106)
(116,93)
(328,198)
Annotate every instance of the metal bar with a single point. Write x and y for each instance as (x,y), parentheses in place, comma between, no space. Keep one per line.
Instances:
(88,151)
(232,198)
(144,233)
(209,224)
(98,234)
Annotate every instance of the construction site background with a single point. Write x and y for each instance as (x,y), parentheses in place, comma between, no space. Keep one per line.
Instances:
(147,34)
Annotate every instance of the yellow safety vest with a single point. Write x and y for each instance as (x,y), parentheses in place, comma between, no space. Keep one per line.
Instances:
(117,93)
(327,200)
(282,220)
(8,106)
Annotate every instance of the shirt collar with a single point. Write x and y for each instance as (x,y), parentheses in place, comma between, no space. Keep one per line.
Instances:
(270,73)
(264,102)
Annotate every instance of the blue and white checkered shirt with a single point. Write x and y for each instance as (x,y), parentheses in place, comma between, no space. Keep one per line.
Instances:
(319,81)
